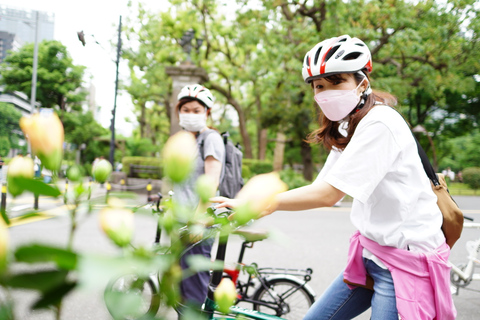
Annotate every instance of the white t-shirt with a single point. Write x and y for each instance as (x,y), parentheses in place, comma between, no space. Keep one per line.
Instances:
(393,202)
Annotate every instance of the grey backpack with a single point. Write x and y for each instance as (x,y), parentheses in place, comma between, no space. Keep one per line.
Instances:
(232,180)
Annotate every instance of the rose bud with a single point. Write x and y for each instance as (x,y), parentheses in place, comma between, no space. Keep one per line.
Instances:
(205,187)
(179,155)
(3,244)
(101,171)
(117,222)
(45,133)
(74,173)
(257,195)
(225,295)
(18,167)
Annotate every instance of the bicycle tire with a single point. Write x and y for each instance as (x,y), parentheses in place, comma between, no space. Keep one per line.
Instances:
(149,292)
(293,307)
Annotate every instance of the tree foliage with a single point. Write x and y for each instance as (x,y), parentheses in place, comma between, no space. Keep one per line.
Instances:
(9,128)
(425,53)
(59,81)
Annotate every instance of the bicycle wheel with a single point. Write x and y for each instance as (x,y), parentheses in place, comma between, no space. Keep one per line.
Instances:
(130,297)
(283,298)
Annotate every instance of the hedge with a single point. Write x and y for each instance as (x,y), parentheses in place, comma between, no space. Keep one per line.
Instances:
(471,176)
(252,167)
(144,161)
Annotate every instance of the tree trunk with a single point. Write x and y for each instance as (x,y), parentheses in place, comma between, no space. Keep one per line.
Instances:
(262,143)
(242,121)
(306,152)
(279,151)
(142,120)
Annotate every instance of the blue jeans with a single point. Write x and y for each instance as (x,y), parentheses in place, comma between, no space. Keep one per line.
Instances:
(340,303)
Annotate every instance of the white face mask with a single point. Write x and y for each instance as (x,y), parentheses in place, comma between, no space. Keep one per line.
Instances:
(193,122)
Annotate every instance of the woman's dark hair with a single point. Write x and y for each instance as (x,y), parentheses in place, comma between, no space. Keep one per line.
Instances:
(186,100)
(329,135)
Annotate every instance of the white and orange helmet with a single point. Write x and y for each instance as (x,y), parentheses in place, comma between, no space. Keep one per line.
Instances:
(197,92)
(336,55)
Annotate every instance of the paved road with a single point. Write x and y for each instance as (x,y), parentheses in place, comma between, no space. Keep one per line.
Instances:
(315,238)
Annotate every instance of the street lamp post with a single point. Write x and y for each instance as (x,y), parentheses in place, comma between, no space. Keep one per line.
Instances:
(81,38)
(33,95)
(420,128)
(119,46)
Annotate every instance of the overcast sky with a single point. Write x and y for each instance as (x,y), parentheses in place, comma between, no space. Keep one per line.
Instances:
(100,18)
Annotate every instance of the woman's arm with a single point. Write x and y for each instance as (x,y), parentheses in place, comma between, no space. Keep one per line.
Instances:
(316,195)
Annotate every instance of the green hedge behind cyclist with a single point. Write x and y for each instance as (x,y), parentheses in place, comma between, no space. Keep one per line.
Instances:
(193,108)
(374,159)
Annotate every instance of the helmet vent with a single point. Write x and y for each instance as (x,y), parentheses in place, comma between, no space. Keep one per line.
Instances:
(316,55)
(331,52)
(360,44)
(339,54)
(342,40)
(307,60)
(352,56)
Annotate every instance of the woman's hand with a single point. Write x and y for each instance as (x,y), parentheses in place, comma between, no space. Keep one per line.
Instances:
(224,202)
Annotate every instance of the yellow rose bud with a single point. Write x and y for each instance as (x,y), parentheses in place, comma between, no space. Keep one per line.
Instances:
(18,167)
(117,222)
(179,155)
(45,133)
(102,170)
(225,295)
(205,187)
(3,244)
(258,194)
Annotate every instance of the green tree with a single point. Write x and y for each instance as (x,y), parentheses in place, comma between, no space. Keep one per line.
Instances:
(59,81)
(81,128)
(425,53)
(10,131)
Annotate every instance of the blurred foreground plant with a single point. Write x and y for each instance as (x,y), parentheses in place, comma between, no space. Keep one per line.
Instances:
(56,271)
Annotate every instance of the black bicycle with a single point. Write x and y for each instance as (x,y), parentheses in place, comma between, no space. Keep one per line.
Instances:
(276,292)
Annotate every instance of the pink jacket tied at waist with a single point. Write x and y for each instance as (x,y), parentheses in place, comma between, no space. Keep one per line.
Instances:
(422,280)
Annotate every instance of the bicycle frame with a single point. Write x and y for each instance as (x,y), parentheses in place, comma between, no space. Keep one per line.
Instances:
(463,275)
(261,277)
(210,306)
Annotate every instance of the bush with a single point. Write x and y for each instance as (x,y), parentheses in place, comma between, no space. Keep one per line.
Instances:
(256,167)
(471,176)
(293,179)
(143,161)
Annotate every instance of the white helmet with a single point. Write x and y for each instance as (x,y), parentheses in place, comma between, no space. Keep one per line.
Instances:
(336,55)
(197,92)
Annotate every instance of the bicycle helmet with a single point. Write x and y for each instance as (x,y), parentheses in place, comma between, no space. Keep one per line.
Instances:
(197,92)
(336,55)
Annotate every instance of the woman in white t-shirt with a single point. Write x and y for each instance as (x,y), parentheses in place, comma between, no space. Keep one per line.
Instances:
(376,162)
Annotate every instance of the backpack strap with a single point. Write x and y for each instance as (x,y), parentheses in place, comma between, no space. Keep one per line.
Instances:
(202,143)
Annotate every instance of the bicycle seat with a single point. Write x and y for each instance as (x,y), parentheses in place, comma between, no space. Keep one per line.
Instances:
(252,235)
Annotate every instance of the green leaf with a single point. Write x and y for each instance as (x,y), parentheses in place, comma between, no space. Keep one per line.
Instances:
(199,263)
(36,186)
(5,217)
(64,259)
(42,281)
(6,311)
(54,296)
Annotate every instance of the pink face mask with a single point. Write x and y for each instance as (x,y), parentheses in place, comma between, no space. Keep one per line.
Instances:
(337,104)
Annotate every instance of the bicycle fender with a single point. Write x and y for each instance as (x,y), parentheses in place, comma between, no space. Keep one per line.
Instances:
(294,279)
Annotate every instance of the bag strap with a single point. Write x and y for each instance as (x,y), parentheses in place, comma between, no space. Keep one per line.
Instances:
(427,166)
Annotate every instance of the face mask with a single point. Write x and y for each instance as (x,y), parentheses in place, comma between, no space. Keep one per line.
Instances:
(337,104)
(193,122)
